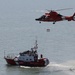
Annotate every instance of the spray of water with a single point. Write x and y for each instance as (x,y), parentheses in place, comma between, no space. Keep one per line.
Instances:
(66,68)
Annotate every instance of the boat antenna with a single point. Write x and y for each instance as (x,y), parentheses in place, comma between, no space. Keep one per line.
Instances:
(36,45)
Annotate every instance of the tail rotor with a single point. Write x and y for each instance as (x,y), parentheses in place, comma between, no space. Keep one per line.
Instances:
(74,16)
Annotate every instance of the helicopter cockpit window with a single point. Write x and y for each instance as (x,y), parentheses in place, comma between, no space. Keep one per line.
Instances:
(59,15)
(43,17)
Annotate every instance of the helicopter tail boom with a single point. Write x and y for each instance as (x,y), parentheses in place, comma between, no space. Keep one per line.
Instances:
(74,17)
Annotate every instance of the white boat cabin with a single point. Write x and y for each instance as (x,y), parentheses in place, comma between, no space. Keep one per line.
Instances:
(28,56)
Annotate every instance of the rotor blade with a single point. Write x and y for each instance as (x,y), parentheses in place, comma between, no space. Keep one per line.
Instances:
(64,9)
(59,9)
(49,10)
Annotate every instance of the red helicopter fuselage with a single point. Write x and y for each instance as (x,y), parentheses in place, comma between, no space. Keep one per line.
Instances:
(54,17)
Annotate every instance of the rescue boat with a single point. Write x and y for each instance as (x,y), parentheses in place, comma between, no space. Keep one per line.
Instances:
(27,58)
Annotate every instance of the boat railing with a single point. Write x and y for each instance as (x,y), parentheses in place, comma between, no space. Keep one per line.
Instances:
(11,56)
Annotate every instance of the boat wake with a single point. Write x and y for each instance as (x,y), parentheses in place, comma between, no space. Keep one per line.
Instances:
(67,68)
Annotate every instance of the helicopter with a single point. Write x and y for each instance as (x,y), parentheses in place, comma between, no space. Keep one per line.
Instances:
(54,16)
